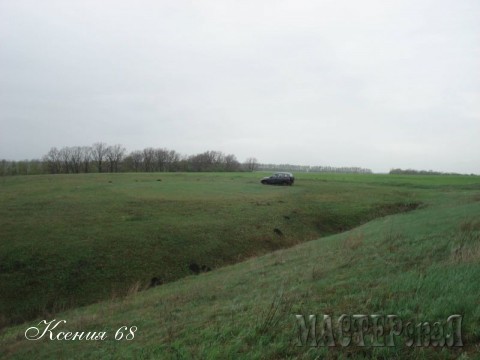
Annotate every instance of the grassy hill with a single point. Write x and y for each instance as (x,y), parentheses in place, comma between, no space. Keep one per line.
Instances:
(421,265)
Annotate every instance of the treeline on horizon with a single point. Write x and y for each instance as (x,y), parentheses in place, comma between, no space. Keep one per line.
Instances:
(307,168)
(422,172)
(101,157)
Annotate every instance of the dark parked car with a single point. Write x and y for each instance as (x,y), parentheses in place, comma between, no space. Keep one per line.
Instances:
(280,178)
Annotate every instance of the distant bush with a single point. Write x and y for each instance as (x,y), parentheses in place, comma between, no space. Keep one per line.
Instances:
(421,172)
(316,169)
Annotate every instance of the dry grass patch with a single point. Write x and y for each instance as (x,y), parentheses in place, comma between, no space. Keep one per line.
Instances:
(353,241)
(465,254)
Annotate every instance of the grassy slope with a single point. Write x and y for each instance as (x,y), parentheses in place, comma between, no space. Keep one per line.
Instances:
(76,239)
(423,265)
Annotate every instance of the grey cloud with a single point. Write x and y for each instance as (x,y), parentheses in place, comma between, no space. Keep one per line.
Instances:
(375,84)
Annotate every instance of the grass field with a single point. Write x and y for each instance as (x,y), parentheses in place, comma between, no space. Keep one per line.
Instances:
(73,240)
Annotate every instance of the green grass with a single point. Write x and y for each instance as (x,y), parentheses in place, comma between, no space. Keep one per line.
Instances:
(79,239)
(74,240)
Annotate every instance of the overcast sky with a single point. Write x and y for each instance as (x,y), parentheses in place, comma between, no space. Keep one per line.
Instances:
(373,83)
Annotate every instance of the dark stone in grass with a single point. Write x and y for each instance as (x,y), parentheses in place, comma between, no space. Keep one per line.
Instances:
(197,269)
(159,179)
(110,181)
(278,232)
(206,268)
(286,217)
(194,268)
(155,282)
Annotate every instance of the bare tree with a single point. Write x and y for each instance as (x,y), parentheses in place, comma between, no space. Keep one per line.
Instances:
(204,161)
(251,164)
(231,163)
(148,159)
(75,158)
(114,155)
(52,161)
(4,167)
(99,152)
(173,161)
(137,159)
(64,155)
(161,158)
(213,161)
(86,158)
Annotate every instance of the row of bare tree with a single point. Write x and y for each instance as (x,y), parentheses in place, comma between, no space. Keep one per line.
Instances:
(101,157)
(76,159)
